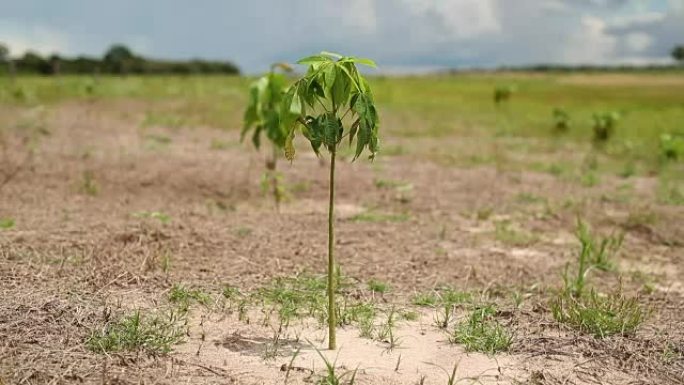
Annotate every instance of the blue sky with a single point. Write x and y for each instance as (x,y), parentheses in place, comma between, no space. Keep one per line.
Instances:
(402,35)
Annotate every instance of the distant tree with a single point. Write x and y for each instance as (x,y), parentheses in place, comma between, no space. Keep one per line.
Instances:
(118,59)
(678,53)
(55,64)
(6,59)
(31,62)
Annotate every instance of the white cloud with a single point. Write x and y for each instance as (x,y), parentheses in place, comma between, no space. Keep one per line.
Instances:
(637,42)
(590,44)
(458,19)
(41,39)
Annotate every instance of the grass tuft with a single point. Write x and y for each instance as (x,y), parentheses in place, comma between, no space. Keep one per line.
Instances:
(598,314)
(481,332)
(153,334)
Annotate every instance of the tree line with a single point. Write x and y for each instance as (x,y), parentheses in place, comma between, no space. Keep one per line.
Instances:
(118,60)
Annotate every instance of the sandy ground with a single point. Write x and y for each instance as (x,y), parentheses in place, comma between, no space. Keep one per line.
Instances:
(84,247)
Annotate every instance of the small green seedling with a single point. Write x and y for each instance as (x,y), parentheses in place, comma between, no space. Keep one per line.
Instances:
(331,102)
(263,115)
(561,119)
(503,94)
(604,125)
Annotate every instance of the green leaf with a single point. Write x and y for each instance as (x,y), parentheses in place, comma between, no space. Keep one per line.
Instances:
(296,105)
(289,147)
(329,74)
(364,61)
(332,54)
(314,59)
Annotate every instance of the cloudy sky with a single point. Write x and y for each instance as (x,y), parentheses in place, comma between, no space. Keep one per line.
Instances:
(402,35)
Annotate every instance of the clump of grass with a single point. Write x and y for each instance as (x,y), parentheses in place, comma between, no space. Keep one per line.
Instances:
(598,314)
(333,376)
(158,215)
(152,334)
(6,223)
(89,185)
(504,232)
(599,253)
(426,299)
(184,296)
(481,332)
(377,286)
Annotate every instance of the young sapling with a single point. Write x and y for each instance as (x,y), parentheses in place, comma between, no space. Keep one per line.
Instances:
(263,115)
(331,102)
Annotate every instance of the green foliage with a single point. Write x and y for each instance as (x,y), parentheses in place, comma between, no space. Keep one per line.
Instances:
(604,125)
(314,104)
(184,296)
(332,376)
(154,334)
(678,53)
(6,223)
(561,119)
(503,93)
(263,108)
(599,315)
(377,286)
(481,332)
(158,215)
(371,216)
(672,147)
(89,185)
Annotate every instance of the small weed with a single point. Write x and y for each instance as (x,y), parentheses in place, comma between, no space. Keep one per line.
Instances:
(481,332)
(484,213)
(166,262)
(428,299)
(6,223)
(183,296)
(332,377)
(505,233)
(379,217)
(599,315)
(88,184)
(243,231)
(161,217)
(153,334)
(218,144)
(377,286)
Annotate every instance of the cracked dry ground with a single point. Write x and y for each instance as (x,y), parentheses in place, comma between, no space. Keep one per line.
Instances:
(83,251)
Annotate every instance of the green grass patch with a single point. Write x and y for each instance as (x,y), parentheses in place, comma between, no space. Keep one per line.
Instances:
(600,315)
(481,332)
(153,334)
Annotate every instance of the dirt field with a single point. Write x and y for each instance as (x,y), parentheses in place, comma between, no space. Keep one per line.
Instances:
(110,216)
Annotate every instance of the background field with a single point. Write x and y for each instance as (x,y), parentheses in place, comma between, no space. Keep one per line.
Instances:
(134,194)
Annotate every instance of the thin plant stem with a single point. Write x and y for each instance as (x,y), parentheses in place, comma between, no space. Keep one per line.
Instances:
(331,256)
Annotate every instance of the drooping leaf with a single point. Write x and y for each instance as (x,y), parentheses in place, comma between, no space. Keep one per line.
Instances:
(289,147)
(314,59)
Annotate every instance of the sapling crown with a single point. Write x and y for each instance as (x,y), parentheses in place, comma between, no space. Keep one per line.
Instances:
(263,116)
(330,102)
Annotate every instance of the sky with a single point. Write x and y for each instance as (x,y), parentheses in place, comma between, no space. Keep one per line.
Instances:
(401,35)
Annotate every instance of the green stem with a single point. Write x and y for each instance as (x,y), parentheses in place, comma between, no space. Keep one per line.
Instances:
(331,257)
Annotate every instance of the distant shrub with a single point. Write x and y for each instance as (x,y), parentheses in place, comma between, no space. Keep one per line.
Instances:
(503,93)
(672,146)
(604,125)
(561,119)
